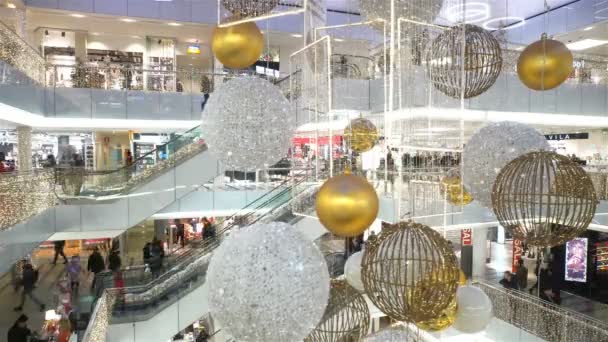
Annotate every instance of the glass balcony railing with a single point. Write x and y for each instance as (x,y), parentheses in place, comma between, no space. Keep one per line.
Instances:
(186,272)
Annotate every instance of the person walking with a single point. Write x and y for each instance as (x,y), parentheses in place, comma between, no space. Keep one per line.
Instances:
(74,269)
(19,332)
(95,265)
(156,260)
(521,275)
(28,280)
(181,232)
(59,245)
(146,252)
(114,261)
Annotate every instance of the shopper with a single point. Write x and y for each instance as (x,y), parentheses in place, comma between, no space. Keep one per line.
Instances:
(156,260)
(95,264)
(19,332)
(59,245)
(146,252)
(74,270)
(521,275)
(50,161)
(114,261)
(181,232)
(508,281)
(28,280)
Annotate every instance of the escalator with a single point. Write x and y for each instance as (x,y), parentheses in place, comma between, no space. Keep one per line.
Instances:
(98,203)
(156,310)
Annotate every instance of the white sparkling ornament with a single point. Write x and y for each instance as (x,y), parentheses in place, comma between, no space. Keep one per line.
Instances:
(474,310)
(392,334)
(267,282)
(422,11)
(352,271)
(248,124)
(490,149)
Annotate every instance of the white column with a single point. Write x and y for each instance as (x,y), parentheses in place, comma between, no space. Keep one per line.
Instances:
(24,148)
(480,251)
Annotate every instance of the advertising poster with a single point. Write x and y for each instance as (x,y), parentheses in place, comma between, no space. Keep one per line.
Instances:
(576,260)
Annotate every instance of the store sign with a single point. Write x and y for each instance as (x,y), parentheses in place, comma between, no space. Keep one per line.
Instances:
(576,260)
(518,251)
(567,136)
(466,237)
(194,49)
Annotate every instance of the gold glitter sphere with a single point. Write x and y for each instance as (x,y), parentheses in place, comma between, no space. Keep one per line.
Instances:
(455,192)
(237,46)
(543,198)
(410,272)
(360,135)
(346,317)
(347,205)
(544,64)
(462,278)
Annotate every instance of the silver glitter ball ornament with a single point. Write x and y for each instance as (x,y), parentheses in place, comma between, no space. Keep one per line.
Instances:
(490,149)
(248,124)
(267,282)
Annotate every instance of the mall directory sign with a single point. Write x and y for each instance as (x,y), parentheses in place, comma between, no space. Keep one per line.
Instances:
(576,260)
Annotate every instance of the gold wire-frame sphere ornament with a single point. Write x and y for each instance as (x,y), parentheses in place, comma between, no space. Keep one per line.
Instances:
(410,272)
(544,198)
(249,8)
(360,135)
(482,61)
(346,317)
(445,319)
(544,64)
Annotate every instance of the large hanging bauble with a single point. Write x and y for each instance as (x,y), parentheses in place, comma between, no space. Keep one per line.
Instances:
(544,199)
(411,271)
(462,278)
(474,311)
(445,319)
(491,148)
(347,205)
(346,317)
(267,282)
(244,130)
(237,46)
(392,334)
(422,11)
(352,271)
(249,8)
(482,61)
(454,191)
(544,64)
(360,135)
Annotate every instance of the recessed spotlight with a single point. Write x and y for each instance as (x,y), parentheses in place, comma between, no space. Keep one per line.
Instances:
(297,35)
(11,5)
(175,24)
(128,20)
(588,28)
(77,15)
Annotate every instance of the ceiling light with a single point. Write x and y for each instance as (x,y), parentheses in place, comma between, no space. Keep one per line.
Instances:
(297,35)
(585,44)
(588,28)
(128,20)
(339,39)
(11,5)
(175,24)
(77,15)
(136,37)
(472,12)
(94,33)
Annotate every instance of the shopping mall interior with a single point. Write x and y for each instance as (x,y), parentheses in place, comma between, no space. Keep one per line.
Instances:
(303,170)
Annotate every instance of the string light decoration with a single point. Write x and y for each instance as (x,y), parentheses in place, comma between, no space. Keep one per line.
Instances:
(491,148)
(421,11)
(249,8)
(360,135)
(410,272)
(25,194)
(346,317)
(544,198)
(247,131)
(482,61)
(16,52)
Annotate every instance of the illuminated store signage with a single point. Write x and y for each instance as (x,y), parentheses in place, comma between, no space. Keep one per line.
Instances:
(567,136)
(576,260)
(466,237)
(194,50)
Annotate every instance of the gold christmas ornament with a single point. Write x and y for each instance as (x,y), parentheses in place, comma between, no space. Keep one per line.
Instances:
(347,205)
(455,192)
(360,135)
(544,198)
(237,46)
(410,272)
(544,64)
(462,278)
(346,317)
(445,319)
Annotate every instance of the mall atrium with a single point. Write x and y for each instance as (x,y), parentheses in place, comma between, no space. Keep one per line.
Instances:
(304,170)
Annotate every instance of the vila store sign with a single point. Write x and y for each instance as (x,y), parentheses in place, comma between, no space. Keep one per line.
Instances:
(567,136)
(518,251)
(466,237)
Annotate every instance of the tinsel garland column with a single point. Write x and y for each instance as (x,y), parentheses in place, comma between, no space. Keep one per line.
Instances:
(24,148)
